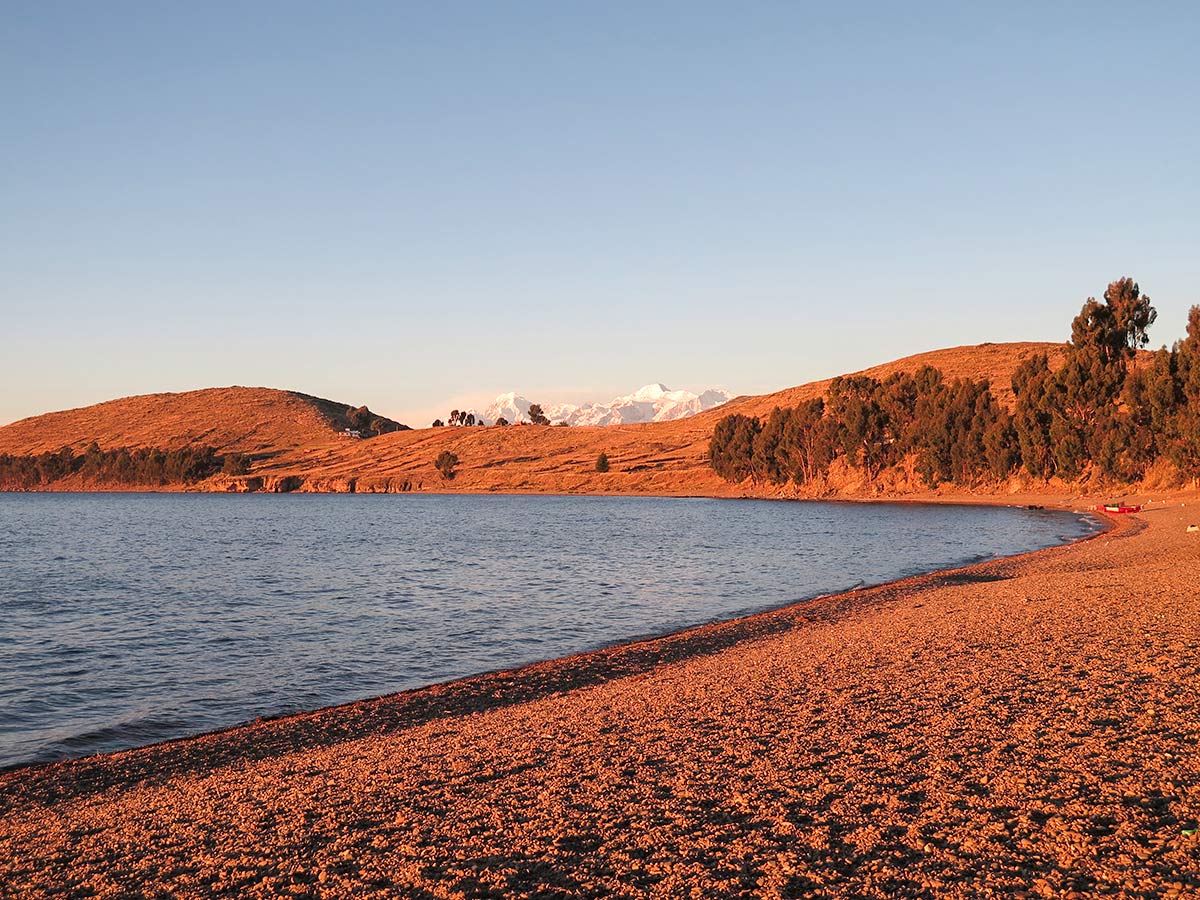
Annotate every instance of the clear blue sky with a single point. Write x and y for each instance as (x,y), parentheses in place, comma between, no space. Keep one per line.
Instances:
(414,206)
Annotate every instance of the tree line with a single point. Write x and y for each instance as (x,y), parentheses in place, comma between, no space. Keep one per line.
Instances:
(462,418)
(144,466)
(1103,412)
(370,424)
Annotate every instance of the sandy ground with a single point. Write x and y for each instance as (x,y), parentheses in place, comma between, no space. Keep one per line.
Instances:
(1024,728)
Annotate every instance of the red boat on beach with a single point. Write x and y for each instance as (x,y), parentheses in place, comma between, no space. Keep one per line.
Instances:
(1118,508)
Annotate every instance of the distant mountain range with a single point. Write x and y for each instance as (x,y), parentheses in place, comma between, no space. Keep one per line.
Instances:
(652,403)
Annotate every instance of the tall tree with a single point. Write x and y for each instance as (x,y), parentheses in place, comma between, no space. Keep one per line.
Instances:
(768,454)
(1185,443)
(731,449)
(810,442)
(1034,386)
(853,402)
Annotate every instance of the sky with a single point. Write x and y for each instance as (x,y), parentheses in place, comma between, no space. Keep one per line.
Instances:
(419,206)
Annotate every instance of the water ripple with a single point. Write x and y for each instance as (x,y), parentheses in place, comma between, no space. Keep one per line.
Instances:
(128,618)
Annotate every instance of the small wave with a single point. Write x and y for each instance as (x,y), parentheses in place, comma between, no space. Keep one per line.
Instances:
(343,605)
(132,732)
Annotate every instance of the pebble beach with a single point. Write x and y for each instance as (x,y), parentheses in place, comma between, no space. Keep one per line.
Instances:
(1023,728)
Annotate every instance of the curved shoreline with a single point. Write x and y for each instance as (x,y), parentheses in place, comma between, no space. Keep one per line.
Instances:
(398,710)
(1021,727)
(615,642)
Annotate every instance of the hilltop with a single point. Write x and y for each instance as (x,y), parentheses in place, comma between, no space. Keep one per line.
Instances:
(652,458)
(295,441)
(992,362)
(251,420)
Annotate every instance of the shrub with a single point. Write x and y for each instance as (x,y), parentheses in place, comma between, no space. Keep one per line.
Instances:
(445,463)
(236,464)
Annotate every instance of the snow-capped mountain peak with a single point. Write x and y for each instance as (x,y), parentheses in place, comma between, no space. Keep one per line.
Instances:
(649,393)
(651,403)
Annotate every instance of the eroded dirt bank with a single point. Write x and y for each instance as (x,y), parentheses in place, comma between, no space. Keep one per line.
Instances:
(1027,727)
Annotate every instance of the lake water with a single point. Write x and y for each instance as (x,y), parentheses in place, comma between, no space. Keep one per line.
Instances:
(130,618)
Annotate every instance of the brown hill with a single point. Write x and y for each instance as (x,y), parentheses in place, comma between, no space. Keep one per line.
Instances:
(657,458)
(994,362)
(232,419)
(297,446)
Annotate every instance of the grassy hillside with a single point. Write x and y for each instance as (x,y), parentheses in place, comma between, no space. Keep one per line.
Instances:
(661,458)
(232,419)
(296,443)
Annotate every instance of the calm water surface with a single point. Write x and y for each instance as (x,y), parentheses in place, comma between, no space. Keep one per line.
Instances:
(131,618)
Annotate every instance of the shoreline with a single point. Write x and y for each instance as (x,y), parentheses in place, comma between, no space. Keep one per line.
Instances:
(1105,523)
(1050,499)
(1016,727)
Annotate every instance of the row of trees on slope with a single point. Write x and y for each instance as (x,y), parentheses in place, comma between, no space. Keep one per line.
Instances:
(459,418)
(1106,411)
(370,424)
(144,466)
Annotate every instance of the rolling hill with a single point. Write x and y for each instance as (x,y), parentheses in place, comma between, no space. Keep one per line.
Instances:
(232,420)
(296,444)
(653,458)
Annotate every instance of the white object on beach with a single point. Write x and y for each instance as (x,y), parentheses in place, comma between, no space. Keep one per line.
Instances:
(1192,528)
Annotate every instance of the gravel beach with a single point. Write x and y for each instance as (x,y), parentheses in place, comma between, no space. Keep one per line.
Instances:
(1027,727)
